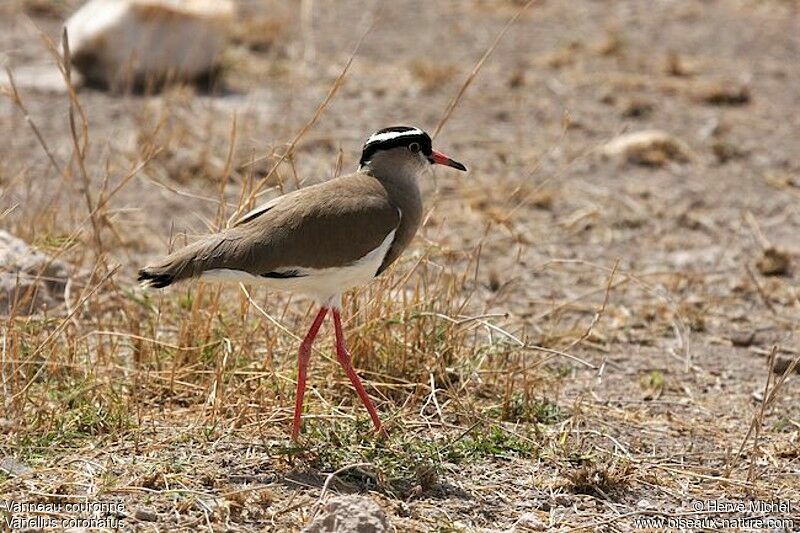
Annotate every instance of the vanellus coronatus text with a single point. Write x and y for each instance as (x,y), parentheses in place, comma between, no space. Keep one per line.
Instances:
(320,240)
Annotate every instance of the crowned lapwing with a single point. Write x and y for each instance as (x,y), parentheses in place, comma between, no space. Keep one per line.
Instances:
(321,240)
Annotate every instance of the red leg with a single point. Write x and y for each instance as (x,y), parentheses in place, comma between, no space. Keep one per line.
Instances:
(302,369)
(344,360)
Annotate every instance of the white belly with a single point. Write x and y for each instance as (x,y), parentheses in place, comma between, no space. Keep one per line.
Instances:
(323,284)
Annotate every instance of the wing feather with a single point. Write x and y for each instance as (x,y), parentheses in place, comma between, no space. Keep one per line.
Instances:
(334,223)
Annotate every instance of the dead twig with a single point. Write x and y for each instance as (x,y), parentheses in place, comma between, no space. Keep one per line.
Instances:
(761,293)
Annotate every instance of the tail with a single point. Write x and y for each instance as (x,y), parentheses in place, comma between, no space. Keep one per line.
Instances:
(151,278)
(188,262)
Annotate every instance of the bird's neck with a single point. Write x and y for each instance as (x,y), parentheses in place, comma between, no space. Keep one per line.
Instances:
(402,187)
(397,174)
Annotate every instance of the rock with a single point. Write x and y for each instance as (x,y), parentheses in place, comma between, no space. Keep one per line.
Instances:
(29,280)
(124,43)
(682,65)
(725,151)
(673,65)
(743,339)
(783,364)
(145,515)
(649,147)
(494,281)
(638,109)
(722,93)
(644,504)
(354,513)
(12,467)
(774,262)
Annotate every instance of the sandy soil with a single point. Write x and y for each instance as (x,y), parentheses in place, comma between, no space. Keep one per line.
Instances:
(675,360)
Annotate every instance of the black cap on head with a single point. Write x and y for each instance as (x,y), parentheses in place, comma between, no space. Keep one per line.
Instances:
(394,137)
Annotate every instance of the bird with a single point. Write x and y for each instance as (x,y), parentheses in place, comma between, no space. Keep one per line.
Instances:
(321,240)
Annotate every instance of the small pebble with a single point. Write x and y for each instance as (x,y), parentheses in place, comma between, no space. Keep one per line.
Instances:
(644,504)
(146,515)
(743,338)
(774,262)
(782,364)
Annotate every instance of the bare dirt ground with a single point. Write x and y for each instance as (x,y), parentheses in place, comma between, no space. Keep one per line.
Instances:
(573,342)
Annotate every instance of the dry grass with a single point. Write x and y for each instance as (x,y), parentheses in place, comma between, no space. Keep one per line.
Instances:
(569,342)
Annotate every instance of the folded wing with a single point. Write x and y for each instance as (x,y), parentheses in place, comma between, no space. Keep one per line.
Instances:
(331,224)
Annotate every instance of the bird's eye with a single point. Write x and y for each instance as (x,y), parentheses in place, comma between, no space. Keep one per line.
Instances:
(414,147)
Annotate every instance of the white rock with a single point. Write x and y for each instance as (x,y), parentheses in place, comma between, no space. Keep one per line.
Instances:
(644,504)
(358,514)
(649,147)
(118,42)
(29,280)
(13,467)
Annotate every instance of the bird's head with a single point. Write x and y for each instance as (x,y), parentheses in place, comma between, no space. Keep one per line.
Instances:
(403,145)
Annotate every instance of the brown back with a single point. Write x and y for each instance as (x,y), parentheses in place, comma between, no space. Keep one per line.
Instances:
(326,225)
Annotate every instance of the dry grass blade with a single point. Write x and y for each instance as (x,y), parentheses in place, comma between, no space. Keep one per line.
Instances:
(15,97)
(561,353)
(468,81)
(760,289)
(80,140)
(337,84)
(599,314)
(63,324)
(758,418)
(768,397)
